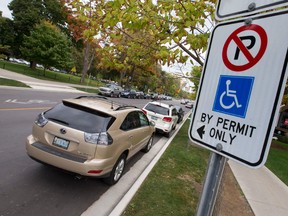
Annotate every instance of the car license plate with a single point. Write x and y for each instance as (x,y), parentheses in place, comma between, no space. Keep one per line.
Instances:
(154,118)
(61,142)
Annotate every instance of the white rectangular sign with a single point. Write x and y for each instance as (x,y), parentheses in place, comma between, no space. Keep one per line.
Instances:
(241,88)
(227,9)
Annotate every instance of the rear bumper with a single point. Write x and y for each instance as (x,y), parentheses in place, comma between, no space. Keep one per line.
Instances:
(67,161)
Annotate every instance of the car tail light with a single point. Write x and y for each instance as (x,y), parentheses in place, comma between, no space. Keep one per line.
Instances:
(102,138)
(41,121)
(144,111)
(167,119)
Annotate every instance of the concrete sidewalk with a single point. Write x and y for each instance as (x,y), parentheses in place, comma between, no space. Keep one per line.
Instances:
(265,192)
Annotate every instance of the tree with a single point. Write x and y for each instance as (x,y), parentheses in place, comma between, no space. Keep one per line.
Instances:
(48,46)
(176,31)
(6,37)
(80,15)
(27,13)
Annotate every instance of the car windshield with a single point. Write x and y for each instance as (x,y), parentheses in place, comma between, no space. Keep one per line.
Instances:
(80,118)
(157,109)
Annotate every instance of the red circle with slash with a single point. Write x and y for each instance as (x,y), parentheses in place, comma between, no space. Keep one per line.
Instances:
(251,59)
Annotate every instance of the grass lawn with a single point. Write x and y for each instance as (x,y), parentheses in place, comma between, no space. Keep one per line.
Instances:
(9,82)
(277,160)
(47,74)
(89,90)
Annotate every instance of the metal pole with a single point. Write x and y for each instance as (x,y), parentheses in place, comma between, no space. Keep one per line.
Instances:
(211,185)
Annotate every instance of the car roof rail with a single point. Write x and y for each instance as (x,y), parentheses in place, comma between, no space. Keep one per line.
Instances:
(119,105)
(125,107)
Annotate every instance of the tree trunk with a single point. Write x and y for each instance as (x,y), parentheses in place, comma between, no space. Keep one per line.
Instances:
(86,61)
(32,64)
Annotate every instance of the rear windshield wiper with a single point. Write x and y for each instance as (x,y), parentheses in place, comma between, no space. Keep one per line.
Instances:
(58,120)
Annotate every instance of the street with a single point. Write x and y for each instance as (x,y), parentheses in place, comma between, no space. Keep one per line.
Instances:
(30,188)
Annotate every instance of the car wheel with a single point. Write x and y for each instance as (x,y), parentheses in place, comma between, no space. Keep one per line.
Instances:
(117,171)
(174,127)
(148,145)
(168,134)
(111,94)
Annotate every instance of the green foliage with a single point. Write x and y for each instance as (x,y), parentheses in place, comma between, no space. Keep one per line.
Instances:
(48,46)
(278,159)
(133,37)
(196,74)
(4,51)
(7,32)
(27,13)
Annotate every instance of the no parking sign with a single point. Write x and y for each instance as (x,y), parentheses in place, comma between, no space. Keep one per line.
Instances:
(241,87)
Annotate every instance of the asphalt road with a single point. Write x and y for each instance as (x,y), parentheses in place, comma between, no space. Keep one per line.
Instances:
(30,188)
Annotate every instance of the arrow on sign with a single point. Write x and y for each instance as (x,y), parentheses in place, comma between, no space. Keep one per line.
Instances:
(201,131)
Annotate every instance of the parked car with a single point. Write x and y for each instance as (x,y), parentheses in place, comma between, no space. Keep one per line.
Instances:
(183,101)
(129,93)
(90,136)
(189,105)
(140,94)
(164,116)
(111,90)
(154,96)
(180,113)
(147,96)
(167,97)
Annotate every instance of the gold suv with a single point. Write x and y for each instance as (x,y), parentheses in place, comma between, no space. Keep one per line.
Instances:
(90,136)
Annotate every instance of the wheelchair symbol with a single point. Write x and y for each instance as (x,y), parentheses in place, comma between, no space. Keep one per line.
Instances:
(229,93)
(233,95)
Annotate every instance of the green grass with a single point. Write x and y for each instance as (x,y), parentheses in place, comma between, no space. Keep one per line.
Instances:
(174,185)
(47,75)
(9,82)
(277,160)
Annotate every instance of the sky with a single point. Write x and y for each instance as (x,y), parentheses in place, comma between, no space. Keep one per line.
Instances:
(4,8)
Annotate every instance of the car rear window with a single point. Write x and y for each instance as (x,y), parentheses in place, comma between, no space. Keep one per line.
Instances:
(157,109)
(80,118)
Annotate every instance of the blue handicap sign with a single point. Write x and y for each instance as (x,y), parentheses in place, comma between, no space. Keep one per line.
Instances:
(233,94)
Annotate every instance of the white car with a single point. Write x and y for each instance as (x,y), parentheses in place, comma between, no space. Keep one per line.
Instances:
(163,115)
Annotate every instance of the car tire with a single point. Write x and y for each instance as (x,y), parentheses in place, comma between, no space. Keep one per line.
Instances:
(117,171)
(174,127)
(168,134)
(148,145)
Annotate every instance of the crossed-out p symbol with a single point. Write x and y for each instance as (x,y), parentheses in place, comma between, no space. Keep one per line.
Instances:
(245,49)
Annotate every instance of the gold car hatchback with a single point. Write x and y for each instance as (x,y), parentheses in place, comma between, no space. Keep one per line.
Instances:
(90,136)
